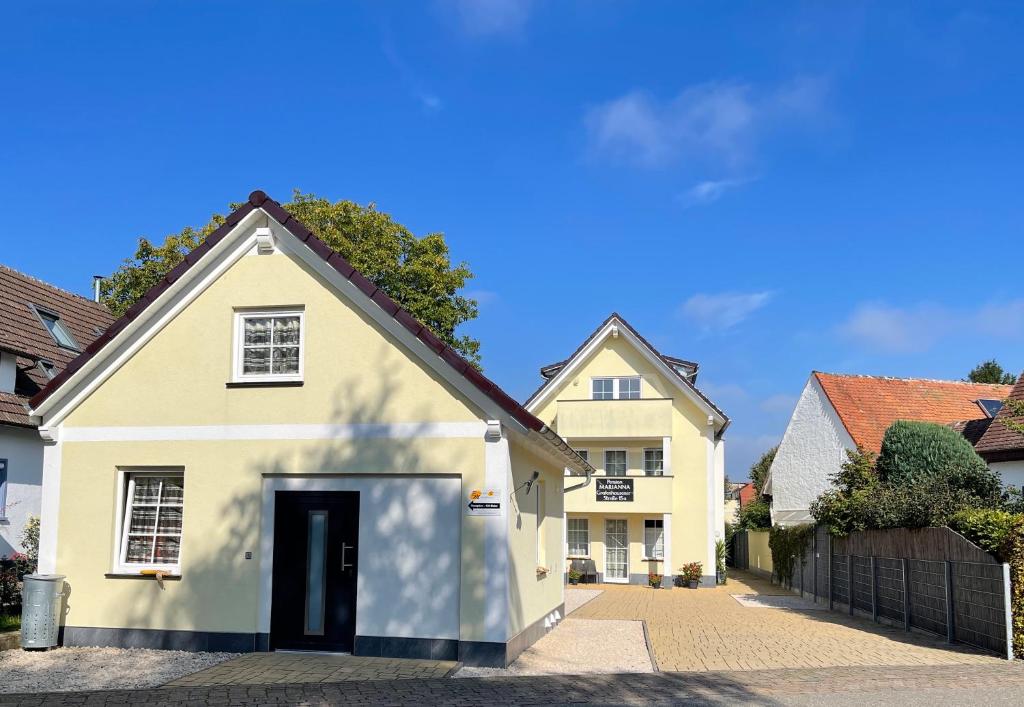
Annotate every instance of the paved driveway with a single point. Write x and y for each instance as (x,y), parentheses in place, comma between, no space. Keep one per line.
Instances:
(708,629)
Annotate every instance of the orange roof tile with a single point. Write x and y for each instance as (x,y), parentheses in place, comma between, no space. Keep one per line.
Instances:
(867,405)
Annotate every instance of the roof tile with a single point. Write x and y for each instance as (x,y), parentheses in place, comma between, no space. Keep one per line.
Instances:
(867,405)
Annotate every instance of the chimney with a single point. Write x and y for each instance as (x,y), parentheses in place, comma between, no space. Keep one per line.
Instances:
(96,280)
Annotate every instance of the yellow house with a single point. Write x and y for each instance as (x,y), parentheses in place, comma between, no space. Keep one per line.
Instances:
(267,452)
(656,501)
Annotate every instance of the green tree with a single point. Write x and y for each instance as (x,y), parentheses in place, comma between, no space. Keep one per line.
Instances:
(990,372)
(416,272)
(755,515)
(760,468)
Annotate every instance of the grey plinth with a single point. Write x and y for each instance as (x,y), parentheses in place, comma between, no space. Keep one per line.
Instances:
(41,598)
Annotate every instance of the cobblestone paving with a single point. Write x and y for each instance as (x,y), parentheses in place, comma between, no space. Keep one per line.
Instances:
(293,668)
(759,687)
(707,629)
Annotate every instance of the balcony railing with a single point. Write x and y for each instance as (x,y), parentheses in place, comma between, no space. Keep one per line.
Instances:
(609,419)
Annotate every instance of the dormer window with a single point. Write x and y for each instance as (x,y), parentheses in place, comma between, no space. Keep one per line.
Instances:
(621,388)
(58,331)
(268,346)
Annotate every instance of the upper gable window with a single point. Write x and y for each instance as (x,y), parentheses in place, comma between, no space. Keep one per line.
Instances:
(57,330)
(624,388)
(268,345)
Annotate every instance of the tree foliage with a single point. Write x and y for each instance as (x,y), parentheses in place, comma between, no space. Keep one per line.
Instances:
(760,468)
(416,272)
(755,516)
(990,372)
(924,452)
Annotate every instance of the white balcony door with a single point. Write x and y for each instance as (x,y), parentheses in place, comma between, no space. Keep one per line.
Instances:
(616,553)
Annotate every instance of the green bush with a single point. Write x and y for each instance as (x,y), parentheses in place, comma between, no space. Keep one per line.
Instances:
(1013,552)
(788,546)
(755,516)
(922,452)
(988,528)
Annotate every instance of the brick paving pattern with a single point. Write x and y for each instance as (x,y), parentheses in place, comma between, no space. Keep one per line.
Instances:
(293,668)
(707,629)
(742,687)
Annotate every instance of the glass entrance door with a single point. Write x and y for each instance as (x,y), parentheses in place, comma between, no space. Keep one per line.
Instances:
(616,553)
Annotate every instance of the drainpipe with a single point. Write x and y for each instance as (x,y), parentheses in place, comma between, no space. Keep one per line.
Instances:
(568,451)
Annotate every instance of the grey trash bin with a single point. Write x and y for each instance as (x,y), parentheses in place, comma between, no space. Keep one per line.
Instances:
(41,599)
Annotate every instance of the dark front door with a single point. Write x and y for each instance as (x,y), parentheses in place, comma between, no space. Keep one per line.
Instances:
(316,545)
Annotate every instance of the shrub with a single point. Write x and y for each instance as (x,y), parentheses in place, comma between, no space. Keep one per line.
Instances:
(987,528)
(754,516)
(30,541)
(921,452)
(691,571)
(1013,552)
(788,546)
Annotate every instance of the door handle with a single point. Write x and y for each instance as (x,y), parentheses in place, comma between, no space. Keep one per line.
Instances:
(345,548)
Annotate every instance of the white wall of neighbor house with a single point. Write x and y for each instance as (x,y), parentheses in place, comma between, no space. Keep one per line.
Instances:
(23,450)
(812,449)
(1011,473)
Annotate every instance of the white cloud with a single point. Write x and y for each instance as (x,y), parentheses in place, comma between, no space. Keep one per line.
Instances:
(709,191)
(906,330)
(719,123)
(482,18)
(778,403)
(428,100)
(482,297)
(717,312)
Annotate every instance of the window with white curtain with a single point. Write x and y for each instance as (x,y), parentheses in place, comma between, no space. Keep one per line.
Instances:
(654,462)
(578,537)
(615,462)
(268,346)
(152,520)
(654,539)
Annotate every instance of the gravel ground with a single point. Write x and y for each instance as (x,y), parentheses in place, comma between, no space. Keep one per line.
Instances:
(579,646)
(66,669)
(575,598)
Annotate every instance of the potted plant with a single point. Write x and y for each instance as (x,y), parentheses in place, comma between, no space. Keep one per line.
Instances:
(720,553)
(690,574)
(575,575)
(654,579)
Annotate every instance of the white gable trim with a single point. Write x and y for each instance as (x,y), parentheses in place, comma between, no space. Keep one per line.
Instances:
(615,326)
(245,239)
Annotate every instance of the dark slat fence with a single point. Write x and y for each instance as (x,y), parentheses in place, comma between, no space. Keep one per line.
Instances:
(932,580)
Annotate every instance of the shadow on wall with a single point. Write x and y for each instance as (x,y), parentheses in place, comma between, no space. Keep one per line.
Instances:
(409,578)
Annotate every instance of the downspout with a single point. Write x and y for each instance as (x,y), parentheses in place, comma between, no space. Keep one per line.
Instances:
(571,454)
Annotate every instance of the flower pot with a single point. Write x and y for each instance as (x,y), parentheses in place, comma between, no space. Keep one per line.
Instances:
(574,581)
(693,583)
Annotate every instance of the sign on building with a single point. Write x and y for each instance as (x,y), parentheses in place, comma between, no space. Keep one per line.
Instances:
(484,502)
(610,489)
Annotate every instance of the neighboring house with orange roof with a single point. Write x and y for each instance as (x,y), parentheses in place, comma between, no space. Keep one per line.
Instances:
(1001,443)
(840,412)
(42,328)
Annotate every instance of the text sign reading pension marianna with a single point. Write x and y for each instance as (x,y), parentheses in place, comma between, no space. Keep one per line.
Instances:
(615,489)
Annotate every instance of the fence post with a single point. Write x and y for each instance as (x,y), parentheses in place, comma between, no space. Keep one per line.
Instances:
(906,594)
(874,590)
(849,578)
(814,564)
(950,630)
(830,597)
(1008,611)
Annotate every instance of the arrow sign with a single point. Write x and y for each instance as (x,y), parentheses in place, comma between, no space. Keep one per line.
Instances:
(478,506)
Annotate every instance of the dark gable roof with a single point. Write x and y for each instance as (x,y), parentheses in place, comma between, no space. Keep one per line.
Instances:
(260,200)
(999,442)
(549,372)
(23,334)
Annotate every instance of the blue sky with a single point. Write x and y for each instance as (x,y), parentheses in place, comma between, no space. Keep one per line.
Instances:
(766,188)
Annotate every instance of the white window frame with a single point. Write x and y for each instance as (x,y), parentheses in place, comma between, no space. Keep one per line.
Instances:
(125,490)
(647,547)
(604,459)
(239,349)
(660,451)
(616,388)
(569,534)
